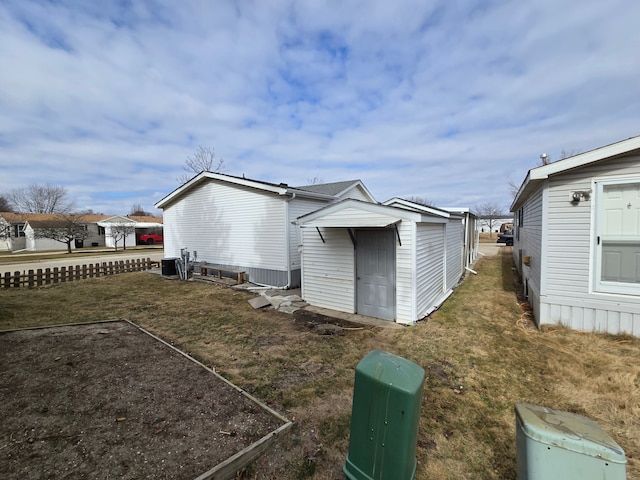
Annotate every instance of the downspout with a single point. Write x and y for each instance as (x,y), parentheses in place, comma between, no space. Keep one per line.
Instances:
(288,237)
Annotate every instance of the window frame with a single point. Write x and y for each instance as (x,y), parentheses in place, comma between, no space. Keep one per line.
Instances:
(599,285)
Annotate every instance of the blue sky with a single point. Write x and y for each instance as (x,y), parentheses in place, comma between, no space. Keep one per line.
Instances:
(443,100)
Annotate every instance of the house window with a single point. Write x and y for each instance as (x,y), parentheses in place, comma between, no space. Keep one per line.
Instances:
(100,230)
(617,236)
(18,230)
(519,222)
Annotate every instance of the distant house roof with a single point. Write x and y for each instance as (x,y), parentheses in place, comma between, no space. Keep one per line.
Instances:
(326,190)
(37,218)
(536,176)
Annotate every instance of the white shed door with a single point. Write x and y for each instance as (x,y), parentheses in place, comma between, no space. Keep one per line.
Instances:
(375,272)
(618,241)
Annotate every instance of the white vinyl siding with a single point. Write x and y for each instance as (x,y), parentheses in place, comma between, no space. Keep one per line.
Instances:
(329,269)
(430,253)
(297,208)
(405,274)
(455,244)
(228,224)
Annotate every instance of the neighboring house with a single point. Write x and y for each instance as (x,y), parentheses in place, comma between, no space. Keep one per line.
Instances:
(33,224)
(126,229)
(237,223)
(23,230)
(395,262)
(15,240)
(577,239)
(6,239)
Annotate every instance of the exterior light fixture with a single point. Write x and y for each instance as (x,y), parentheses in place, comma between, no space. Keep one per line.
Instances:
(580,195)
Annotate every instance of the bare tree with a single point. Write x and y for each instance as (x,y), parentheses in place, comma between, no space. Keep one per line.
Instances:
(41,199)
(120,231)
(203,160)
(138,211)
(5,204)
(490,213)
(421,201)
(315,181)
(513,188)
(65,229)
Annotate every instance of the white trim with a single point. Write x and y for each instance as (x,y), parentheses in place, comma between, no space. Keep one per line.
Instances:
(356,185)
(603,286)
(417,207)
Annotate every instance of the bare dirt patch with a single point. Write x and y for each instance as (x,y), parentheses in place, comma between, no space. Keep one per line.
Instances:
(107,400)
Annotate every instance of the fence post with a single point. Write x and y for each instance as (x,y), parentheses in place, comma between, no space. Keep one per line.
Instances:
(111,268)
(30,278)
(84,272)
(16,279)
(39,277)
(76,275)
(7,279)
(47,276)
(63,274)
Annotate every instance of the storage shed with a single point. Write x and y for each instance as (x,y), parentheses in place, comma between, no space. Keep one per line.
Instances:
(382,261)
(577,239)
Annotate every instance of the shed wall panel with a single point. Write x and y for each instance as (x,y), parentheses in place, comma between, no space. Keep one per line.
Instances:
(329,269)
(455,252)
(430,251)
(405,274)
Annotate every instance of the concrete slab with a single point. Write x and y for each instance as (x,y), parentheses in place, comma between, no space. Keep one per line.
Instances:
(259,302)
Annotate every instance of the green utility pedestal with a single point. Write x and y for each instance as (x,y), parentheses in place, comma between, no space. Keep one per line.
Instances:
(384,420)
(557,445)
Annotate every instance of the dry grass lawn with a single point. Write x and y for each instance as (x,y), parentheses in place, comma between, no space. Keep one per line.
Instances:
(478,358)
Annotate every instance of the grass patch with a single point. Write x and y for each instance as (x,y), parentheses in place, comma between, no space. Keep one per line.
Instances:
(478,361)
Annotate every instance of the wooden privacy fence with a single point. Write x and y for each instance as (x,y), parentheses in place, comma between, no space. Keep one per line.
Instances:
(49,276)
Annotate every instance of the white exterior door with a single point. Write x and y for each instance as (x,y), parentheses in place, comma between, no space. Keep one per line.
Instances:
(618,237)
(375,273)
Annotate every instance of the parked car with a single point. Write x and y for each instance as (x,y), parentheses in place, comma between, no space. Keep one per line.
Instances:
(506,238)
(150,238)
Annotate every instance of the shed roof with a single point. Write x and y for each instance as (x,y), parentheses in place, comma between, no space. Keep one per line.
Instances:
(536,176)
(350,213)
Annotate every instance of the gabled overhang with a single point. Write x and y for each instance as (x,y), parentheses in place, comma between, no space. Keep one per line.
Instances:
(352,213)
(536,176)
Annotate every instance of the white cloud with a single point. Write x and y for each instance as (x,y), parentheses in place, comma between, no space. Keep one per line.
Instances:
(442,100)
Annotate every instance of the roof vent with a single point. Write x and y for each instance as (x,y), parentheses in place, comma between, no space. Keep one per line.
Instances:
(284,185)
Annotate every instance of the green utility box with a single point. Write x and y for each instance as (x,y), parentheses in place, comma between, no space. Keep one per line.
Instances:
(384,419)
(557,445)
